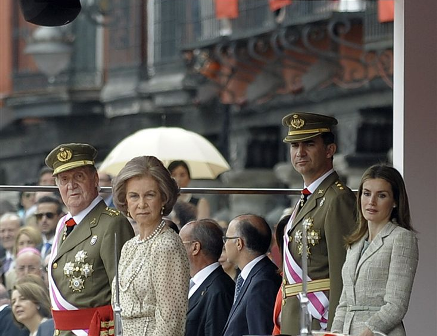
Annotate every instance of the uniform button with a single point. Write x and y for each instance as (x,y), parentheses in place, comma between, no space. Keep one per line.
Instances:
(55,265)
(57,332)
(284,281)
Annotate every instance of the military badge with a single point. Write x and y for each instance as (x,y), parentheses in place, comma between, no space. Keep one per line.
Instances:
(64,154)
(93,240)
(78,271)
(313,236)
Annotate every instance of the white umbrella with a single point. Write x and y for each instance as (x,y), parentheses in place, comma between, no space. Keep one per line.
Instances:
(168,144)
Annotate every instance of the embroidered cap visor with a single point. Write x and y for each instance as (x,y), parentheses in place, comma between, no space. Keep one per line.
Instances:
(69,156)
(304,126)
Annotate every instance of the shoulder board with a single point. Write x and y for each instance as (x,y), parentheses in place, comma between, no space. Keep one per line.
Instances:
(112,212)
(339,185)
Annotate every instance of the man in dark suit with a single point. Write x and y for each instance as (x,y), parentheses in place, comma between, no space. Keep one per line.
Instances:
(81,266)
(248,239)
(48,213)
(211,289)
(326,212)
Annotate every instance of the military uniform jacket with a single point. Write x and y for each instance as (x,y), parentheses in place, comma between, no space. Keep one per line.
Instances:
(90,246)
(331,209)
(378,283)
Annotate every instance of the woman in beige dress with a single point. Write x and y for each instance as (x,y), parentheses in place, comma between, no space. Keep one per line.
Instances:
(153,268)
(381,260)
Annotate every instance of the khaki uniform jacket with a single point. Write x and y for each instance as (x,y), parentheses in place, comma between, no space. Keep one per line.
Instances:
(332,209)
(95,236)
(377,285)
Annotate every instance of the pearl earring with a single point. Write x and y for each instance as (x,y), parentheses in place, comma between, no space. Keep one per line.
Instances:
(162,210)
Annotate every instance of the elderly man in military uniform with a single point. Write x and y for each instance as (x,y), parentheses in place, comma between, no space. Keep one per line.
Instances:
(326,211)
(82,262)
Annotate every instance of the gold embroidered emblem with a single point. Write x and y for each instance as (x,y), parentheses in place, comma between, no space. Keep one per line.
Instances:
(313,236)
(78,271)
(112,212)
(297,122)
(65,154)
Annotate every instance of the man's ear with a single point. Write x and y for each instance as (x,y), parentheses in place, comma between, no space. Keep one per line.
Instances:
(240,244)
(196,249)
(330,150)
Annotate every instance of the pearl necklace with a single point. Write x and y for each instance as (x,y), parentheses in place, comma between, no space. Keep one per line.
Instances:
(140,266)
(153,234)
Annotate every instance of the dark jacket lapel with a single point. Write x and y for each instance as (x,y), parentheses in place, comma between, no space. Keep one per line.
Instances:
(203,288)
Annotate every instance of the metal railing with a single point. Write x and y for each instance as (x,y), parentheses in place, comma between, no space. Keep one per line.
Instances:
(217,191)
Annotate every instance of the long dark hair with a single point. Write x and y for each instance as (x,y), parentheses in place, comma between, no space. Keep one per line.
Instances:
(400,215)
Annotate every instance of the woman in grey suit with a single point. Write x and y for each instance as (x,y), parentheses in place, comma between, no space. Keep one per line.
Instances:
(381,260)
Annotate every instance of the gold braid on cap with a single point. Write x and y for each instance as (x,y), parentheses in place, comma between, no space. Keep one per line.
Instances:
(314,130)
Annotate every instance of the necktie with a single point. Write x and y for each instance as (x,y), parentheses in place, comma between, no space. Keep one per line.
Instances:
(7,264)
(70,226)
(303,197)
(47,247)
(238,286)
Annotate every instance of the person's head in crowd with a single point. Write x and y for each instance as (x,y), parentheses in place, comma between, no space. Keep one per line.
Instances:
(27,236)
(248,236)
(28,261)
(75,174)
(203,241)
(48,212)
(26,200)
(45,270)
(6,206)
(183,213)
(30,304)
(382,187)
(46,177)
(144,182)
(171,225)
(230,269)
(9,226)
(105,180)
(180,171)
(279,231)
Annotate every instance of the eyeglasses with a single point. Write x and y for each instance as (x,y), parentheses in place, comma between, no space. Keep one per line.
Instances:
(30,269)
(189,242)
(49,215)
(226,238)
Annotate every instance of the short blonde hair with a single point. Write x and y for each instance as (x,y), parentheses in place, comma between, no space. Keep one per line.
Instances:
(30,231)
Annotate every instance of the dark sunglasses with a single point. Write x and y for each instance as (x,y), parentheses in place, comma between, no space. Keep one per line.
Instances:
(49,215)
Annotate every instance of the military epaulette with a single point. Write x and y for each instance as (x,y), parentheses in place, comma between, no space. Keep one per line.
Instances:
(112,212)
(339,185)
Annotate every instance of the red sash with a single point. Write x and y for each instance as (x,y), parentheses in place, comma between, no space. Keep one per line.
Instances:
(95,319)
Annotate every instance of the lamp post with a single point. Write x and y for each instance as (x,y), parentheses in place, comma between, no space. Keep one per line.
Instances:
(51,49)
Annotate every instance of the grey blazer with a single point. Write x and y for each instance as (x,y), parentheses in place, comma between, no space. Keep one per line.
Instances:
(377,285)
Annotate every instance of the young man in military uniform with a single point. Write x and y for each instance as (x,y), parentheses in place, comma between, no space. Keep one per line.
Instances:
(82,261)
(327,212)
